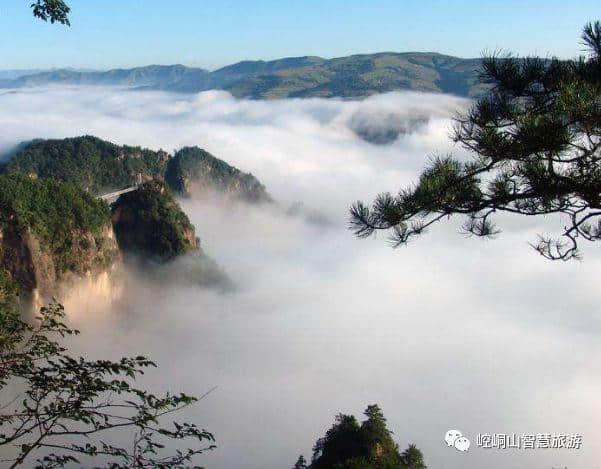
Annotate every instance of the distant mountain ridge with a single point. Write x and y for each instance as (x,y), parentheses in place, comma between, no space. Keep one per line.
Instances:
(11,74)
(353,76)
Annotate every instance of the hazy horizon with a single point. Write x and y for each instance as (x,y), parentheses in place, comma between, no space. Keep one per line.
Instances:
(248,59)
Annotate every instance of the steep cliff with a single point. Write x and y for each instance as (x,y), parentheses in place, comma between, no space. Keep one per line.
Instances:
(193,170)
(53,229)
(51,232)
(149,222)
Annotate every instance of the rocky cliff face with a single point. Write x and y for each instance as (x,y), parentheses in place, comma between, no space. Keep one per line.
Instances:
(193,171)
(51,233)
(40,274)
(149,222)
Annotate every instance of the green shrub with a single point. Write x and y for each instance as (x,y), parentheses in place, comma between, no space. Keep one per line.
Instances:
(57,213)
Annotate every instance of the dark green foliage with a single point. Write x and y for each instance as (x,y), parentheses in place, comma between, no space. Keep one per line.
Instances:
(93,164)
(55,212)
(342,442)
(8,287)
(149,221)
(591,38)
(99,167)
(301,463)
(374,428)
(70,407)
(413,458)
(55,11)
(348,445)
(536,140)
(194,166)
(9,292)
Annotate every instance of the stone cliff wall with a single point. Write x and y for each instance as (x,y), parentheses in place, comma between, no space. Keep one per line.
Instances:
(29,264)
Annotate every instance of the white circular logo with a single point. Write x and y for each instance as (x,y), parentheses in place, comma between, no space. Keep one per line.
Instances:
(456,439)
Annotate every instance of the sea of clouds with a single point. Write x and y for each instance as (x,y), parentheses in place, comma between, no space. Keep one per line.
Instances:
(447,333)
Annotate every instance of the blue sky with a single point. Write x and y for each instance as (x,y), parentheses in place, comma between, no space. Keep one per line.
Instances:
(124,33)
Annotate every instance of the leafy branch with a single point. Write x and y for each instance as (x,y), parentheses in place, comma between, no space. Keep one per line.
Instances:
(55,11)
(71,407)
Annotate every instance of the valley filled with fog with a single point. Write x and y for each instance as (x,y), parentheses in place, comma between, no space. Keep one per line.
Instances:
(450,332)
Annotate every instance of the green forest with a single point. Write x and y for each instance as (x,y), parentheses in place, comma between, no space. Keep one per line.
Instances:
(349,444)
(93,164)
(58,213)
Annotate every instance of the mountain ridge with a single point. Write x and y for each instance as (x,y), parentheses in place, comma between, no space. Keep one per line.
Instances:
(353,76)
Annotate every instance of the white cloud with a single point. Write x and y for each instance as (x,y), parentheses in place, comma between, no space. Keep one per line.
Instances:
(449,332)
